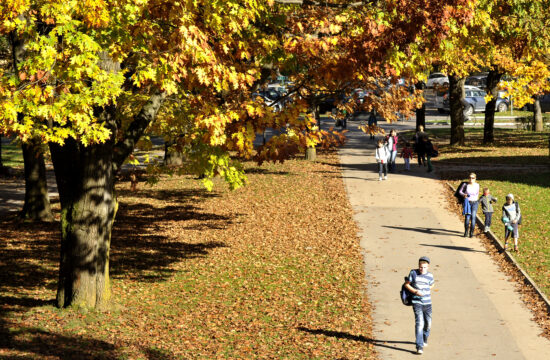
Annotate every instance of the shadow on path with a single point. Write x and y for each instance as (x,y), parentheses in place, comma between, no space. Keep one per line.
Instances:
(457,248)
(430,231)
(344,335)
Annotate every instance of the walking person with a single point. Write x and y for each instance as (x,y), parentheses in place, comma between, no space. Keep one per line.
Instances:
(372,122)
(470,192)
(382,155)
(407,155)
(429,149)
(511,216)
(420,283)
(419,145)
(486,201)
(392,147)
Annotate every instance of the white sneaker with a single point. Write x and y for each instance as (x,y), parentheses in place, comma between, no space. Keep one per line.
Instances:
(419,351)
(425,344)
(385,178)
(380,179)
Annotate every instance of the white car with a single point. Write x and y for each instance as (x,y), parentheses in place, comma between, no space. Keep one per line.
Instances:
(437,79)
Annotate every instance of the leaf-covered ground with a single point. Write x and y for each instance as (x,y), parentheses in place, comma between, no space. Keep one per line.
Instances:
(272,270)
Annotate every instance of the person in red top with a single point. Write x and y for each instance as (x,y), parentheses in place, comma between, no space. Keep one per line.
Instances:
(407,155)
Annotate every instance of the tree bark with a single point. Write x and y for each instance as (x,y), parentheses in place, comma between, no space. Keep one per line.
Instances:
(456,99)
(85,179)
(537,116)
(1,163)
(37,203)
(421,112)
(493,78)
(311,152)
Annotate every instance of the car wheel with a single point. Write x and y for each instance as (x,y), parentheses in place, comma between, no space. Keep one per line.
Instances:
(502,107)
(469,111)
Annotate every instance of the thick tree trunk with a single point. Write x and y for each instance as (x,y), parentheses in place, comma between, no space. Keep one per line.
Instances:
(537,116)
(456,99)
(37,203)
(1,163)
(85,180)
(493,78)
(421,112)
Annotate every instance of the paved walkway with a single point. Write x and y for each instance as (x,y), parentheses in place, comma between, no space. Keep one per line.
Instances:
(476,312)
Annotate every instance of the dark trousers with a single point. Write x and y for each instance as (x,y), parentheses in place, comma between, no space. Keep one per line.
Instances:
(488,218)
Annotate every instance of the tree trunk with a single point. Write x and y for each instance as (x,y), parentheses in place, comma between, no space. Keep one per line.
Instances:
(1,163)
(421,112)
(456,99)
(537,116)
(85,180)
(493,78)
(311,152)
(37,202)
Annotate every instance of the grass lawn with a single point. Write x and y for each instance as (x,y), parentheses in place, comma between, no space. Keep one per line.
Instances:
(12,155)
(272,270)
(531,188)
(532,191)
(511,147)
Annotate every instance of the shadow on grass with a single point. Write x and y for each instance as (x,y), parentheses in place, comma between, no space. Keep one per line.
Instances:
(519,160)
(35,342)
(348,336)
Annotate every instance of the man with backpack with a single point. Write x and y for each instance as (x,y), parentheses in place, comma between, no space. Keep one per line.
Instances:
(419,283)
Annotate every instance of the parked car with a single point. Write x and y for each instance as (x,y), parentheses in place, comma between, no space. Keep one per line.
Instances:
(544,101)
(437,79)
(475,98)
(271,97)
(479,80)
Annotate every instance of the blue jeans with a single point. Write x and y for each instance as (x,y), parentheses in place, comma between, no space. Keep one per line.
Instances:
(471,218)
(383,167)
(422,323)
(391,160)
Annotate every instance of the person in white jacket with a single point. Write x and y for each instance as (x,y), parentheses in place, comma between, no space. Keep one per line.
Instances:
(382,154)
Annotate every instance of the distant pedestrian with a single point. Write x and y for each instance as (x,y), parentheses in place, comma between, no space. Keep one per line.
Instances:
(407,155)
(382,156)
(392,148)
(419,145)
(429,149)
(372,122)
(420,282)
(511,216)
(486,201)
(470,193)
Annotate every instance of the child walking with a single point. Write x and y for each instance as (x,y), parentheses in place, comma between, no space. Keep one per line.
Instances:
(407,155)
(382,154)
(486,201)
(511,217)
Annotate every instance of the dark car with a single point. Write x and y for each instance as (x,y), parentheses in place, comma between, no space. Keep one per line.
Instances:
(544,101)
(479,80)
(271,97)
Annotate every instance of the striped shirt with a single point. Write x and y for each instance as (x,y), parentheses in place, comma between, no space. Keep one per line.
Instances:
(422,283)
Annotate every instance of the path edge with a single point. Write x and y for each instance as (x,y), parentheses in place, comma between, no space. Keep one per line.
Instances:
(510,258)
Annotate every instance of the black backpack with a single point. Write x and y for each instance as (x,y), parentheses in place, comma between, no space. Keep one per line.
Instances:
(457,194)
(405,295)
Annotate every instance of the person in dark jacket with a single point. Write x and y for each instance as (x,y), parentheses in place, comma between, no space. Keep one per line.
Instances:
(419,145)
(428,149)
(372,122)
